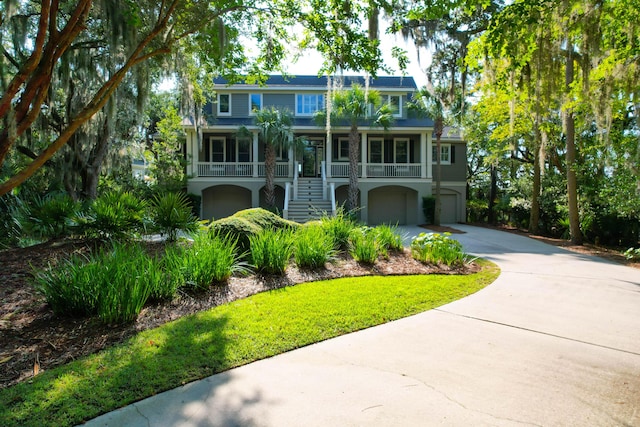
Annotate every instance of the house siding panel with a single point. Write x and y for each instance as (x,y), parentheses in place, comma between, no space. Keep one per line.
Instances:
(280,100)
(457,171)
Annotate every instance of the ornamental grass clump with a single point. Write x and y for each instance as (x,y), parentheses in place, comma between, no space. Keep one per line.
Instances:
(388,239)
(114,283)
(271,250)
(363,245)
(339,228)
(212,258)
(313,247)
(437,248)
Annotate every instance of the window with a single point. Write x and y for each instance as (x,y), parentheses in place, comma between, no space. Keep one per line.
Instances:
(396,104)
(445,154)
(243,150)
(343,149)
(376,150)
(255,102)
(224,104)
(401,150)
(307,104)
(215,150)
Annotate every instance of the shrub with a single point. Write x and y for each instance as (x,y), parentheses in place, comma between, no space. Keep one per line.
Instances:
(632,254)
(47,217)
(249,222)
(171,213)
(210,259)
(271,250)
(313,247)
(114,283)
(437,249)
(115,215)
(363,245)
(339,228)
(388,239)
(265,219)
(429,208)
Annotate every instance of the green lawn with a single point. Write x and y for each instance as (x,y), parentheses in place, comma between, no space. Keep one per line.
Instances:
(227,336)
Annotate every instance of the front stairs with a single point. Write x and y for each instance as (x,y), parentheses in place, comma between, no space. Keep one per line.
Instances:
(310,203)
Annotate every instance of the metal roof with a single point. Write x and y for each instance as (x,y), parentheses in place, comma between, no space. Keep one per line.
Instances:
(387,82)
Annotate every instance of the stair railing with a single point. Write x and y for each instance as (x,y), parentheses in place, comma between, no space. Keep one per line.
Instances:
(325,187)
(296,172)
(287,197)
(332,194)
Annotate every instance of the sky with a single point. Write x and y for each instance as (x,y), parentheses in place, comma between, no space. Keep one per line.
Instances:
(310,63)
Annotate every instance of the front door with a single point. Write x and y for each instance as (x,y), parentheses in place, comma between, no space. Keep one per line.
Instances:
(312,158)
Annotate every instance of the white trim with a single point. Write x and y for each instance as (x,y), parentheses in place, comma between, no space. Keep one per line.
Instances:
(442,146)
(220,113)
(395,149)
(249,95)
(381,141)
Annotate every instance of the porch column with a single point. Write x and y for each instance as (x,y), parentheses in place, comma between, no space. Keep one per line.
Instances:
(292,162)
(423,155)
(363,153)
(193,138)
(255,154)
(329,155)
(429,156)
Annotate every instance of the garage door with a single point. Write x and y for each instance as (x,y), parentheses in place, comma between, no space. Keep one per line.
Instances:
(448,214)
(387,207)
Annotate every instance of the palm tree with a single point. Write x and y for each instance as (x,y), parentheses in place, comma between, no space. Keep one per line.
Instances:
(355,106)
(275,131)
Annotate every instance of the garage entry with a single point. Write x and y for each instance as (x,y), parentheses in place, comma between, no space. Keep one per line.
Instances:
(449,212)
(392,205)
(224,200)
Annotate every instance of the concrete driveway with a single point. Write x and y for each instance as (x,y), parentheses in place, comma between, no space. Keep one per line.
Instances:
(555,341)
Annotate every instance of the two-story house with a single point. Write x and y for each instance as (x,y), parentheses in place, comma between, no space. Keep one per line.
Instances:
(395,172)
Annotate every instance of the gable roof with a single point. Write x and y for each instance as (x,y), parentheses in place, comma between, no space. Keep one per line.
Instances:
(386,82)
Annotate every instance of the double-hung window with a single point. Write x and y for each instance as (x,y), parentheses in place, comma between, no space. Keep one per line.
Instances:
(343,149)
(216,149)
(401,150)
(308,104)
(376,150)
(445,154)
(224,104)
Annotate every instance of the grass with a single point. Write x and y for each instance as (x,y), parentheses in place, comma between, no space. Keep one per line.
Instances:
(227,336)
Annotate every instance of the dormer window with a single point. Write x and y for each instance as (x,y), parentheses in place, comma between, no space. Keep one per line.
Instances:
(308,104)
(255,103)
(396,104)
(224,104)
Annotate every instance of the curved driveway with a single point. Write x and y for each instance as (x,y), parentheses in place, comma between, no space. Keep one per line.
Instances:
(555,341)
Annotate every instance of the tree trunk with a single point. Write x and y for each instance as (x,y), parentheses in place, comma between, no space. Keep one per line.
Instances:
(438,127)
(572,184)
(493,194)
(354,154)
(534,216)
(269,172)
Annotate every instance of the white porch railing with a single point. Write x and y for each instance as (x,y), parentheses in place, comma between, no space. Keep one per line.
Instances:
(394,170)
(341,170)
(380,170)
(239,169)
(282,169)
(224,169)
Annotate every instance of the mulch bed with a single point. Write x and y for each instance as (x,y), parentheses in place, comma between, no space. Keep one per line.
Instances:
(30,331)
